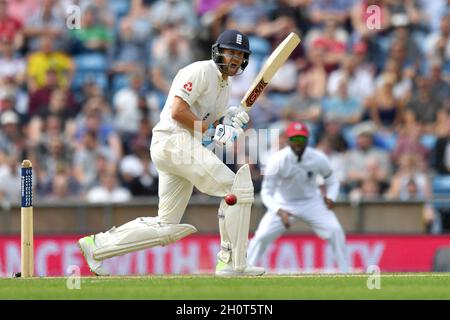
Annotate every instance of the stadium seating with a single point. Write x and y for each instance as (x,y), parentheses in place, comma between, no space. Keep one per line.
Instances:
(90,67)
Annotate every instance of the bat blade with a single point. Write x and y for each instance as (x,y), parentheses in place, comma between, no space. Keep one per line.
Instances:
(270,67)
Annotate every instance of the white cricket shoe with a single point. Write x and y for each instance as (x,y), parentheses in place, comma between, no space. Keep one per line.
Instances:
(87,246)
(226,270)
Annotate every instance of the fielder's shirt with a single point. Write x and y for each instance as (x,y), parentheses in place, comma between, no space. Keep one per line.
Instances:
(288,180)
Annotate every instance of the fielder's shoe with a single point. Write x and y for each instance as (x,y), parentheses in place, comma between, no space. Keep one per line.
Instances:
(226,270)
(87,246)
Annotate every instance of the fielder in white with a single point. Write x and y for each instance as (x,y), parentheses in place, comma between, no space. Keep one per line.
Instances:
(197,101)
(289,191)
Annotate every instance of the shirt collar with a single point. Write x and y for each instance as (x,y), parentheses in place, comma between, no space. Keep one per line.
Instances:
(294,158)
(222,82)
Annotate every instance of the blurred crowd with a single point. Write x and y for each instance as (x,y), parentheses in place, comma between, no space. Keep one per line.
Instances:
(82,84)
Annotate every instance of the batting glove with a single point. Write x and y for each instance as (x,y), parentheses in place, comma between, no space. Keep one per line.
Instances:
(226,134)
(235,117)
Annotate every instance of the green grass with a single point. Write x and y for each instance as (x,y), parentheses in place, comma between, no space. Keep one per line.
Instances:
(285,287)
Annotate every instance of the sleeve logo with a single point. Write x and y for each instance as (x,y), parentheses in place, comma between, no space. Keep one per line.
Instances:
(188,86)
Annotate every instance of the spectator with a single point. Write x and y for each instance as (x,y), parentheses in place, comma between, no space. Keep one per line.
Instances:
(404,12)
(170,53)
(47,59)
(53,129)
(129,53)
(247,16)
(368,189)
(50,156)
(63,185)
(286,16)
(10,28)
(41,99)
(367,161)
(334,135)
(411,182)
(211,16)
(21,9)
(441,152)
(316,74)
(144,133)
(370,20)
(363,22)
(359,77)
(180,14)
(93,36)
(130,106)
(85,160)
(440,87)
(264,111)
(138,21)
(12,66)
(106,16)
(93,119)
(423,107)
(384,108)
(48,22)
(301,106)
(9,181)
(8,99)
(405,46)
(433,11)
(59,106)
(326,10)
(332,40)
(341,107)
(108,191)
(337,157)
(11,138)
(138,172)
(409,142)
(403,79)
(437,44)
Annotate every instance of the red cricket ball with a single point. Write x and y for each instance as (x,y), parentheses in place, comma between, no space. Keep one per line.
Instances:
(230,199)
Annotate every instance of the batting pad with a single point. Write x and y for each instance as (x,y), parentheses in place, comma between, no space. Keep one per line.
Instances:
(234,221)
(141,233)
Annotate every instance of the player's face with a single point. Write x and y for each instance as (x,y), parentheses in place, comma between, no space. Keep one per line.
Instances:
(298,145)
(232,59)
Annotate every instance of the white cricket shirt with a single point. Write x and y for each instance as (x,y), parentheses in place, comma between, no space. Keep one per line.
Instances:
(288,180)
(200,84)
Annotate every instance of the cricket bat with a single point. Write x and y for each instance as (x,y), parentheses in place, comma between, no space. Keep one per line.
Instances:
(270,67)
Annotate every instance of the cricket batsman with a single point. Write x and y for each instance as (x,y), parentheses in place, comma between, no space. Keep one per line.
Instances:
(195,111)
(289,191)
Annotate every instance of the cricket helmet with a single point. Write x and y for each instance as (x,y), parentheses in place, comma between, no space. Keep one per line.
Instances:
(231,39)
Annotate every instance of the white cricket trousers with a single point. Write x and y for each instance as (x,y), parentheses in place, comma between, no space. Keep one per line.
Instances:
(314,213)
(183,163)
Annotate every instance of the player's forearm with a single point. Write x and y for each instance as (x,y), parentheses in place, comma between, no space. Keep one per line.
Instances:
(267,192)
(332,187)
(183,114)
(268,201)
